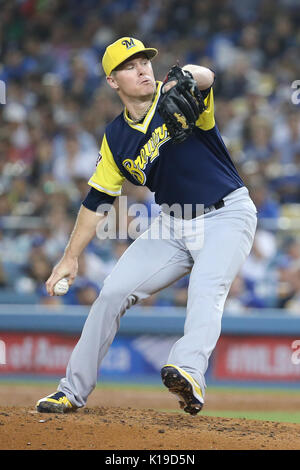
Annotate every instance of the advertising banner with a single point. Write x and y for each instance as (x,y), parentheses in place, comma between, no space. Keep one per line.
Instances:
(257,358)
(47,354)
(236,358)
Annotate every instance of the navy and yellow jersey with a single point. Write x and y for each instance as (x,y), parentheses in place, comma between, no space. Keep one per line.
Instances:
(197,171)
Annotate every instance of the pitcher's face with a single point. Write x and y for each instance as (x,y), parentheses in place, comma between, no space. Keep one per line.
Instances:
(134,78)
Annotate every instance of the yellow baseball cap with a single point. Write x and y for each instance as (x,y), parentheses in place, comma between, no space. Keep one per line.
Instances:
(121,50)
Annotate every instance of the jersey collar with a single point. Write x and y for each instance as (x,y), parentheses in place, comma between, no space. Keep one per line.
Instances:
(143,126)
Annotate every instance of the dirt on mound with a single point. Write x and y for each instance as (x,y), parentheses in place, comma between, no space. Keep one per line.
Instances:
(124,419)
(109,428)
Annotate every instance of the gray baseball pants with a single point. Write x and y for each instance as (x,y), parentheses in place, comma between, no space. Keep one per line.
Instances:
(211,247)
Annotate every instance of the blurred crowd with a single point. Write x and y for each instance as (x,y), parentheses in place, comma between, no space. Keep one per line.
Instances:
(58,103)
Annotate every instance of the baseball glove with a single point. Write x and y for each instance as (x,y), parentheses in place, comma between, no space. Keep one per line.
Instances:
(180,106)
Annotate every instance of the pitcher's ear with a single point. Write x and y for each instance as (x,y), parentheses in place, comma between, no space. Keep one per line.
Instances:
(111,80)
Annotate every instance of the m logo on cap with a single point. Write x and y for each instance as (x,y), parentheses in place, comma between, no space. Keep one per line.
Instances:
(128,44)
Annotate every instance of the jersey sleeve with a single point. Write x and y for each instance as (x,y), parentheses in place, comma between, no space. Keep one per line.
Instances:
(206,120)
(97,201)
(107,178)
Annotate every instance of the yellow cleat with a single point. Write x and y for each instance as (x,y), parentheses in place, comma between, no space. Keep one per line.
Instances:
(182,384)
(55,403)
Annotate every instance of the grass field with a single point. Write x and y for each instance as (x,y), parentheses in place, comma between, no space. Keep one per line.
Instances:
(275,416)
(278,416)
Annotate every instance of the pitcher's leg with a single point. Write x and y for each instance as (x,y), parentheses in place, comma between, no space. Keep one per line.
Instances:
(227,243)
(146,267)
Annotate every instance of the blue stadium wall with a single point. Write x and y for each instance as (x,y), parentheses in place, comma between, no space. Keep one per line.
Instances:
(261,348)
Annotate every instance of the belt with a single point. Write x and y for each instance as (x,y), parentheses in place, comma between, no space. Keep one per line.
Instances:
(214,207)
(187,215)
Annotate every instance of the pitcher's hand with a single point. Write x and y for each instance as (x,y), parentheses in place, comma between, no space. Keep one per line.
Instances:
(67,267)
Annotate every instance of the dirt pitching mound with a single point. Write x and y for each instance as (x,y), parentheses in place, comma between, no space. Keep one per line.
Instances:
(129,419)
(117,428)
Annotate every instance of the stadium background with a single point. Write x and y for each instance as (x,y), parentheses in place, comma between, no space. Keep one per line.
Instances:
(57,106)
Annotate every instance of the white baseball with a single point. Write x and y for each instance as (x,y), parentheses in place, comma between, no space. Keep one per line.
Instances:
(61,287)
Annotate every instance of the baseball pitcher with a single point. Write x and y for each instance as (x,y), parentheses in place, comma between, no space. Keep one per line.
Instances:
(167,139)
